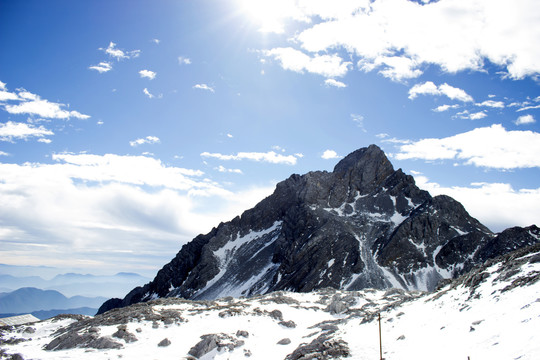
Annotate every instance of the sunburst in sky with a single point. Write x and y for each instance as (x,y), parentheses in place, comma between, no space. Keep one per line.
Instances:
(128,127)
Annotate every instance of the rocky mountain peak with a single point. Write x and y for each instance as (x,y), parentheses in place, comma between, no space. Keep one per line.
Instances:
(363,225)
(364,168)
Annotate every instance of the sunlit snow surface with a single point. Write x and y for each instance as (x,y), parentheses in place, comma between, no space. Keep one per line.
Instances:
(492,313)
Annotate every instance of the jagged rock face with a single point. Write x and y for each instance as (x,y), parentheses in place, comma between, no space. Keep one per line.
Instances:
(362,225)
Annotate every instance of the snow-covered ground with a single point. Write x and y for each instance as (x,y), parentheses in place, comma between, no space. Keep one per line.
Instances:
(491,313)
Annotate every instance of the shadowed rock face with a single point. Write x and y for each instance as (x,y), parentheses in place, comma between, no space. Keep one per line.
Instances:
(362,225)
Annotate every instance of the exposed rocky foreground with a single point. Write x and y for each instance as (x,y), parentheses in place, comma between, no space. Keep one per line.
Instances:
(364,225)
(493,312)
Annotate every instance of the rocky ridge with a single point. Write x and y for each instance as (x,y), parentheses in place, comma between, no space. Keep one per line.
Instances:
(482,311)
(363,225)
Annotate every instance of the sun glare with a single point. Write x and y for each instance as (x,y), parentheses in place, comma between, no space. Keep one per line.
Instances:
(269,15)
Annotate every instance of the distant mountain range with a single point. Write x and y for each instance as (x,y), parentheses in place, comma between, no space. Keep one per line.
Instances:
(47,314)
(28,300)
(363,225)
(72,284)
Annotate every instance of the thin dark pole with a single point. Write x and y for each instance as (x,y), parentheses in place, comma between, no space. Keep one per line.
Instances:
(380,337)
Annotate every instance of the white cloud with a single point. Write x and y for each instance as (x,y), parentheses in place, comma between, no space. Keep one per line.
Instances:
(230,136)
(147,74)
(204,87)
(156,41)
(184,60)
(326,65)
(299,155)
(456,35)
(335,83)
(491,147)
(102,67)
(12,130)
(359,120)
(44,140)
(74,207)
(525,108)
(222,169)
(492,104)
(269,157)
(525,119)
(118,54)
(6,95)
(3,153)
(2,85)
(146,140)
(382,135)
(496,205)
(477,115)
(147,93)
(429,88)
(442,108)
(396,68)
(33,104)
(330,154)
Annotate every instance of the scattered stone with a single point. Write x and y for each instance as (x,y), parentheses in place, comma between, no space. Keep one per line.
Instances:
(402,337)
(247,353)
(285,341)
(164,343)
(211,341)
(337,306)
(242,333)
(208,343)
(288,324)
(321,348)
(71,340)
(124,334)
(29,330)
(276,314)
(139,330)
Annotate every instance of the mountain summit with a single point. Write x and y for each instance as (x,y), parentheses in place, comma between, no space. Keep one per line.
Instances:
(363,225)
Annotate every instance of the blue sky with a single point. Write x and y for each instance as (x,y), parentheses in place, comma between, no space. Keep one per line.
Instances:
(129,127)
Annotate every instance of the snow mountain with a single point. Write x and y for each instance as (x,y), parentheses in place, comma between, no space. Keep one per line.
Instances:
(363,225)
(492,312)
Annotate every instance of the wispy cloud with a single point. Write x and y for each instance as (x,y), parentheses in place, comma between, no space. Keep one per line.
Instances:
(429,88)
(119,54)
(490,147)
(204,87)
(32,104)
(147,74)
(442,108)
(102,67)
(395,68)
(359,121)
(268,157)
(335,83)
(223,169)
(147,93)
(492,104)
(13,130)
(182,60)
(146,140)
(326,65)
(330,154)
(156,41)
